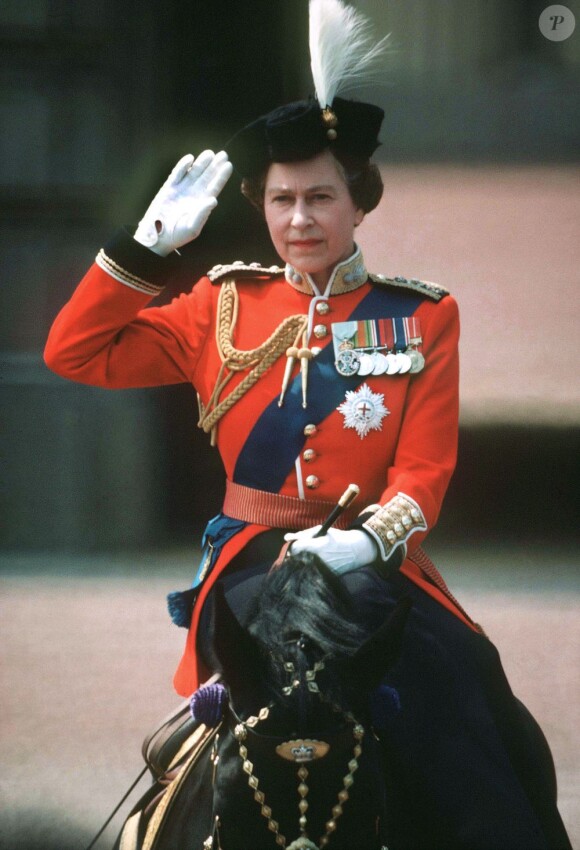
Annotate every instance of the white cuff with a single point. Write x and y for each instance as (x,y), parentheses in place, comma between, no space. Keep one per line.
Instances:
(392,524)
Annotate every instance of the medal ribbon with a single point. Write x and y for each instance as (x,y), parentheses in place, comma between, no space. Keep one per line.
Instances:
(366,334)
(413,329)
(386,333)
(400,333)
(394,334)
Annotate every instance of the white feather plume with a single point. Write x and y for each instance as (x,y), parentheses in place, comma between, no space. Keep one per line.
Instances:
(343,53)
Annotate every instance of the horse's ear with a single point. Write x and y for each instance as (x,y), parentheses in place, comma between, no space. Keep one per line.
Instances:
(236,652)
(372,660)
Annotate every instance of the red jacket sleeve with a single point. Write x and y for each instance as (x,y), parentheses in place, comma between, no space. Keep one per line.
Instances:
(104,337)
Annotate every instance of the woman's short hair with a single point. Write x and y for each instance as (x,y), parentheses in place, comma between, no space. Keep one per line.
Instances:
(362,177)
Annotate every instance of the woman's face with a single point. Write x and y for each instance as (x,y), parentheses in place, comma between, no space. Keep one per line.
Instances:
(311,215)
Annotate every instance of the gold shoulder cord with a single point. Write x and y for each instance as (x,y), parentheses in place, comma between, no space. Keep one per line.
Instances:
(258,360)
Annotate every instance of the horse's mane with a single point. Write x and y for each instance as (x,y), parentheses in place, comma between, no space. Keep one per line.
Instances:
(304,598)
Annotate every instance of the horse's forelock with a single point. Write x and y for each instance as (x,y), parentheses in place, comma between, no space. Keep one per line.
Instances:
(304,597)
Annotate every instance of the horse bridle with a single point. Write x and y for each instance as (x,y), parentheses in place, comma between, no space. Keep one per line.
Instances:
(301,751)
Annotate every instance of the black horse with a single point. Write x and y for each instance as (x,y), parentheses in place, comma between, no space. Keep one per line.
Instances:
(295,762)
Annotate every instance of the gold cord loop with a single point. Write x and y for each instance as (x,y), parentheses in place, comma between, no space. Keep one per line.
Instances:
(257,360)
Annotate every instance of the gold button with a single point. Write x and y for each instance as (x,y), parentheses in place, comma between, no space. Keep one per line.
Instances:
(309,455)
(312,482)
(322,308)
(320,331)
(310,430)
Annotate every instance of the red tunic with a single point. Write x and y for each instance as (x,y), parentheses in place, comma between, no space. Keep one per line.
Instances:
(106,336)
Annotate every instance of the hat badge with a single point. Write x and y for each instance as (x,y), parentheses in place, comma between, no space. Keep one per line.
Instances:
(330,121)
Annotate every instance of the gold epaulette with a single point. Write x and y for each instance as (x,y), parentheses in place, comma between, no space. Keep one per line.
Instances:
(238,269)
(425,287)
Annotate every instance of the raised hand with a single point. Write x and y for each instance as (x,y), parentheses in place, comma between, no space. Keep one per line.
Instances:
(182,206)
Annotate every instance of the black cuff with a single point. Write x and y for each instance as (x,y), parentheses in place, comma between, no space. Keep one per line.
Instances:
(386,568)
(140,261)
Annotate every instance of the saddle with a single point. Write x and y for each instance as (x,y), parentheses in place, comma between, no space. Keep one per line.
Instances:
(171,753)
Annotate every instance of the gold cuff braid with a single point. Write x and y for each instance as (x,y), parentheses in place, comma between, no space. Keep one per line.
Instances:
(392,524)
(116,271)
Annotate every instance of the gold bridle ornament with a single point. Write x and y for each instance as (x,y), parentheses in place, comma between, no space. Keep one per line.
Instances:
(299,751)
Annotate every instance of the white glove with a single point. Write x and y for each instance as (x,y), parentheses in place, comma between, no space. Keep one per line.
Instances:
(343,551)
(182,206)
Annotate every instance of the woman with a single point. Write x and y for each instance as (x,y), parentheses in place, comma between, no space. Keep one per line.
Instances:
(289,454)
(310,377)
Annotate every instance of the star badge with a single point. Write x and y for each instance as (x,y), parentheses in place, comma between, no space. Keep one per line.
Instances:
(363,410)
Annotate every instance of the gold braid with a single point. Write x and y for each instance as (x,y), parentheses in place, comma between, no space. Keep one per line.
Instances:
(258,360)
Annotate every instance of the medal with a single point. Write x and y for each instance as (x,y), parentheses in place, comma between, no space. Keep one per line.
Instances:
(413,333)
(417,360)
(404,329)
(367,364)
(347,362)
(378,346)
(404,362)
(363,410)
(381,363)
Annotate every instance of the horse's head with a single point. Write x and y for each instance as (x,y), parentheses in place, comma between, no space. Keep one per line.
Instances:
(299,757)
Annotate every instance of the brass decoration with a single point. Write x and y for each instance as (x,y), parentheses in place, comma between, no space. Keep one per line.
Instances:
(295,751)
(329,117)
(302,750)
(330,121)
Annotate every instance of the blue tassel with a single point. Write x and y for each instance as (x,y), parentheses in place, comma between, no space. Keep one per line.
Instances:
(218,531)
(385,703)
(180,606)
(208,702)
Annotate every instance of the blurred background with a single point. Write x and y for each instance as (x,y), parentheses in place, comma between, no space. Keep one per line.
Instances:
(480,159)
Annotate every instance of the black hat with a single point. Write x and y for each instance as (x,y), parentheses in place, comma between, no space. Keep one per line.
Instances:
(343,54)
(301,130)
